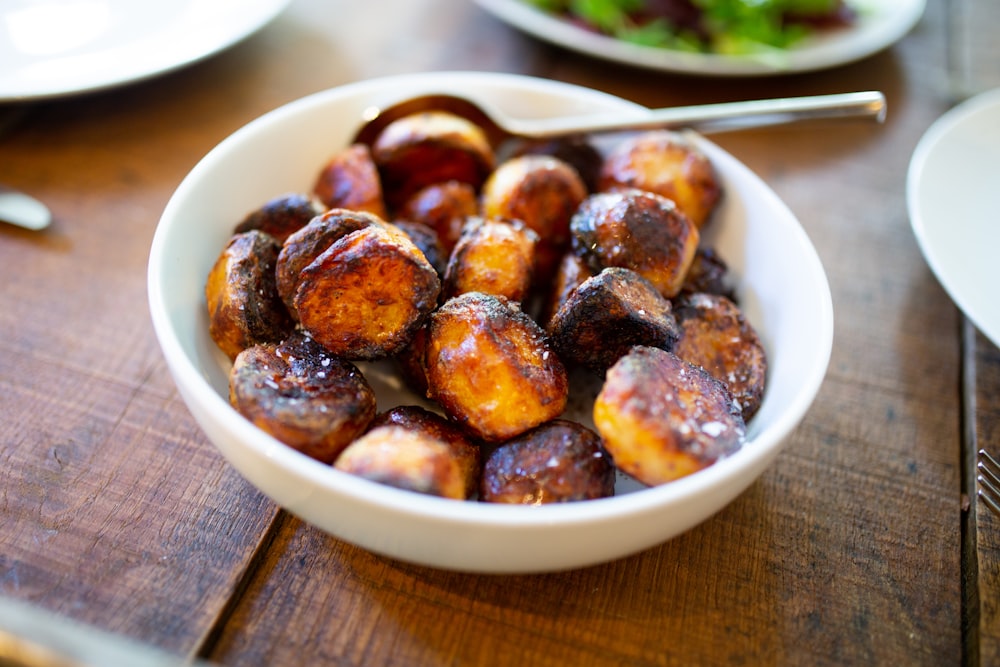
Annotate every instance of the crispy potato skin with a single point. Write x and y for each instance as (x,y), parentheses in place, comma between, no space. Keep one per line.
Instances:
(543,192)
(302,395)
(668,164)
(425,238)
(351,180)
(427,148)
(708,273)
(465,452)
(559,461)
(574,150)
(282,216)
(444,207)
(572,273)
(494,256)
(716,336)
(302,248)
(243,304)
(365,296)
(491,369)
(636,230)
(662,418)
(609,314)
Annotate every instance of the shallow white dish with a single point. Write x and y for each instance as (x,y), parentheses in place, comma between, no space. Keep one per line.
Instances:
(51,48)
(880,24)
(953,195)
(788,301)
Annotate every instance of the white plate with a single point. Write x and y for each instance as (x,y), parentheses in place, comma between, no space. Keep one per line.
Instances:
(953,196)
(880,24)
(50,48)
(783,290)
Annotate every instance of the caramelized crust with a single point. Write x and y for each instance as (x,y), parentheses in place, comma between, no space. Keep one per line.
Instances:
(367,294)
(243,304)
(425,238)
(607,315)
(668,164)
(708,273)
(351,180)
(716,336)
(636,230)
(493,256)
(490,368)
(282,216)
(559,461)
(574,150)
(444,207)
(302,395)
(662,418)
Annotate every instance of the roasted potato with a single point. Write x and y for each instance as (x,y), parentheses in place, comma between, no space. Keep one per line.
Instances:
(609,314)
(543,192)
(303,247)
(282,216)
(559,461)
(708,273)
(365,296)
(243,304)
(493,255)
(491,369)
(430,147)
(575,150)
(425,238)
(302,395)
(662,418)
(636,230)
(444,207)
(411,362)
(668,164)
(572,273)
(351,180)
(716,336)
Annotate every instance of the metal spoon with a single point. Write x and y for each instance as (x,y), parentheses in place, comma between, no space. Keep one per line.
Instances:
(23,210)
(702,118)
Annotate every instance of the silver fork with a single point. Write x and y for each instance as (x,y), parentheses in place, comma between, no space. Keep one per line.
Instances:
(988,481)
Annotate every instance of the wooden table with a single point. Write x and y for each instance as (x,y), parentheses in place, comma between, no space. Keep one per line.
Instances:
(855,547)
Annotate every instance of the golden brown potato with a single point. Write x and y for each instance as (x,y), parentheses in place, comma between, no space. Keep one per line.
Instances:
(243,304)
(302,395)
(493,256)
(282,216)
(609,314)
(559,461)
(430,147)
(351,180)
(716,336)
(444,207)
(708,273)
(490,368)
(572,273)
(575,150)
(303,247)
(636,230)
(543,192)
(463,452)
(668,164)
(425,238)
(367,294)
(662,418)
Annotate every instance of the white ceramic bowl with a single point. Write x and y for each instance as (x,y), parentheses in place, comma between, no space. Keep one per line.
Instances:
(783,291)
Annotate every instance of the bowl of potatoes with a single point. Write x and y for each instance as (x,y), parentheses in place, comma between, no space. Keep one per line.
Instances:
(508,358)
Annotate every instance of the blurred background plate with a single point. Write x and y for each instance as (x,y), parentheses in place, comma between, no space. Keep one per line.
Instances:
(880,24)
(50,48)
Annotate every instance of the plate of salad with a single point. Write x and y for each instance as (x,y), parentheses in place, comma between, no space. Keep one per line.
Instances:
(716,37)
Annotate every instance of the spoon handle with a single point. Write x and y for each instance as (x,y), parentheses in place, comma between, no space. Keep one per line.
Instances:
(715,117)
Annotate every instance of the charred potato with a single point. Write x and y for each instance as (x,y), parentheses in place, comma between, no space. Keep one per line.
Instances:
(302,395)
(572,273)
(636,230)
(430,147)
(366,295)
(411,362)
(444,207)
(493,256)
(574,150)
(708,273)
(351,180)
(668,164)
(716,336)
(303,247)
(282,216)
(559,461)
(543,192)
(243,304)
(425,238)
(490,368)
(662,418)
(609,314)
